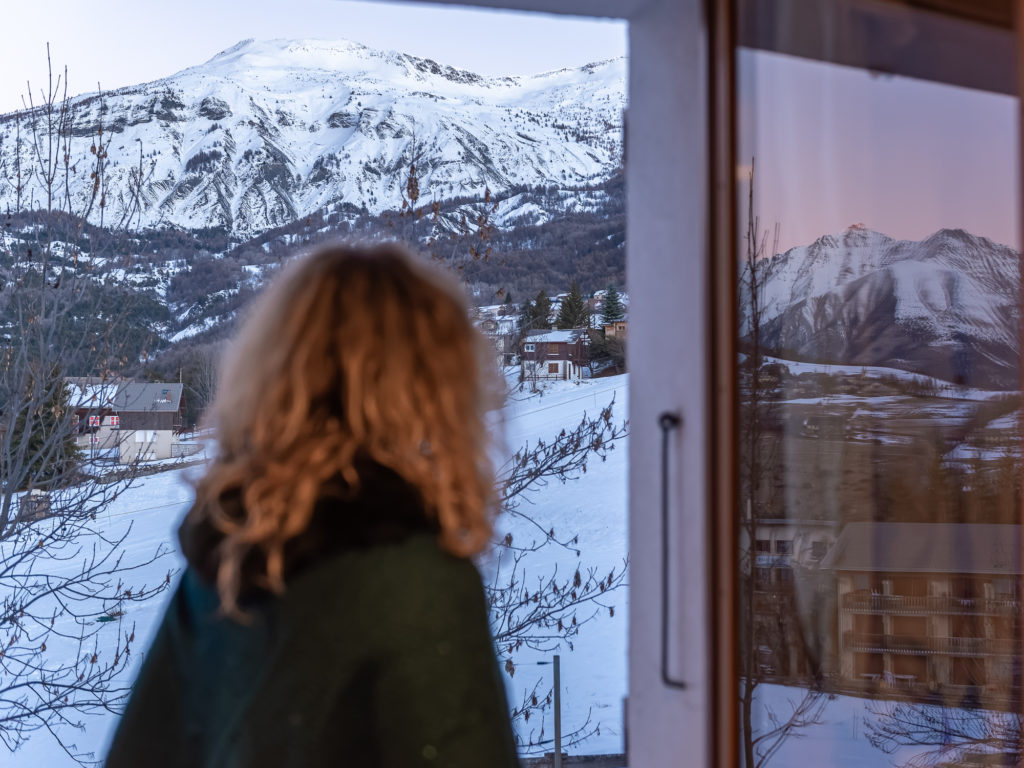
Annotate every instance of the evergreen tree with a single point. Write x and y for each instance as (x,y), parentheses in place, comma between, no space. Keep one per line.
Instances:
(42,433)
(541,311)
(526,316)
(573,313)
(611,308)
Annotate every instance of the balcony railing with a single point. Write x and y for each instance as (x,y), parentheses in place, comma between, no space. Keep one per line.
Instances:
(917,645)
(921,604)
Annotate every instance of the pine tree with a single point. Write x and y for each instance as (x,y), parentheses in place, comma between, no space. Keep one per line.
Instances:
(541,311)
(526,316)
(42,428)
(611,308)
(573,313)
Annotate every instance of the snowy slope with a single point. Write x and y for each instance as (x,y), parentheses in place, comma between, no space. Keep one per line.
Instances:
(593,674)
(946,306)
(267,132)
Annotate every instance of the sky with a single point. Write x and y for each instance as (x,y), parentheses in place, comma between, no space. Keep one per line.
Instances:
(125,42)
(835,146)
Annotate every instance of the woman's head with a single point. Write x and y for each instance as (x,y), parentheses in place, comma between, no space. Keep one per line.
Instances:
(352,353)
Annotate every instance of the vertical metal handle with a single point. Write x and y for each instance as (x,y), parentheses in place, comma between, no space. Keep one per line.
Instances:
(668,422)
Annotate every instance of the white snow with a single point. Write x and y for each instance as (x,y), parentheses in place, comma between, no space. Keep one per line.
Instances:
(290,126)
(593,672)
(594,506)
(939,388)
(952,282)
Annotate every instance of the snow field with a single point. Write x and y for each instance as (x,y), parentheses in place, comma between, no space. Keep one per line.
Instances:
(594,506)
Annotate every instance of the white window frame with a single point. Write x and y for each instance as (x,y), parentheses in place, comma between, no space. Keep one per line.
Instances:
(529,347)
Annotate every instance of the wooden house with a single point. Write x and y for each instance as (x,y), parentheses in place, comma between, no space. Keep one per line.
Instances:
(554,355)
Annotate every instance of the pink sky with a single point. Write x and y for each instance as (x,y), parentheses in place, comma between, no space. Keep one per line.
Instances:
(836,146)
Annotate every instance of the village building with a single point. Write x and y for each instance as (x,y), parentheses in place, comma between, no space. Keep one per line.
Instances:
(96,424)
(553,355)
(499,325)
(791,593)
(930,610)
(150,417)
(616,330)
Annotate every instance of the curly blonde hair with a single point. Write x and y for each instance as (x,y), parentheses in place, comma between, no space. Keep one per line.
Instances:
(352,352)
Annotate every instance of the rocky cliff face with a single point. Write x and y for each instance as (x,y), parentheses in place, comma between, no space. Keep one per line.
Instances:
(268,132)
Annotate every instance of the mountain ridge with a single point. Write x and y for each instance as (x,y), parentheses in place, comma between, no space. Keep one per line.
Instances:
(267,132)
(946,305)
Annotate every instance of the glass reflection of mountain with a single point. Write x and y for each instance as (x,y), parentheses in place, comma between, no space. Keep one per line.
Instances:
(946,306)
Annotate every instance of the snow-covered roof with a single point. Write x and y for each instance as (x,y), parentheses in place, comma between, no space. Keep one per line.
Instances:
(554,336)
(92,392)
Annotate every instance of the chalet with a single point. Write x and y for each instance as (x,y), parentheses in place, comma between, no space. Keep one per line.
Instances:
(150,414)
(92,399)
(554,355)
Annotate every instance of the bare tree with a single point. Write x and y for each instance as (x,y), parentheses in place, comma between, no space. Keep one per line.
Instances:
(65,594)
(764,727)
(540,611)
(949,735)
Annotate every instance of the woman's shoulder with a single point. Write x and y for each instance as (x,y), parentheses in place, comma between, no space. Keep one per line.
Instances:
(412,568)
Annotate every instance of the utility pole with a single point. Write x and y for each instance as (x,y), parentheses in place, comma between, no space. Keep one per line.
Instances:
(558,712)
(557,663)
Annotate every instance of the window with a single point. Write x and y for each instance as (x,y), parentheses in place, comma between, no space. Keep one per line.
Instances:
(763,545)
(115,422)
(94,421)
(529,347)
(851,229)
(552,367)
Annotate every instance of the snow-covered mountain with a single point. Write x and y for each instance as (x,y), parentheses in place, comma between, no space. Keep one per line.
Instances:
(267,132)
(947,305)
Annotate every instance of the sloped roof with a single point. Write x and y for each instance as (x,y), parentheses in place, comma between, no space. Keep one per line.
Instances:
(554,336)
(927,548)
(91,392)
(149,397)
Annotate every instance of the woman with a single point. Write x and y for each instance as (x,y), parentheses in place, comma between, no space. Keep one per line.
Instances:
(330,614)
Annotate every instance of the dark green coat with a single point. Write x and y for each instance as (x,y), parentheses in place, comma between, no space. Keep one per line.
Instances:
(378,654)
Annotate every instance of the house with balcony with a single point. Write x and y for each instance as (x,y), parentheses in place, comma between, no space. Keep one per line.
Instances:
(932,610)
(554,355)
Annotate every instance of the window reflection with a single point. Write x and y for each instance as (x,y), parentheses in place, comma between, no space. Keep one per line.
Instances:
(880,412)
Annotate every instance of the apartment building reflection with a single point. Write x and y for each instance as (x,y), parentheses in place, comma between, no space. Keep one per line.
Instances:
(929,610)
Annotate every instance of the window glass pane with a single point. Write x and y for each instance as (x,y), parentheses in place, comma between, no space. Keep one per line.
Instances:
(879,440)
(139,224)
